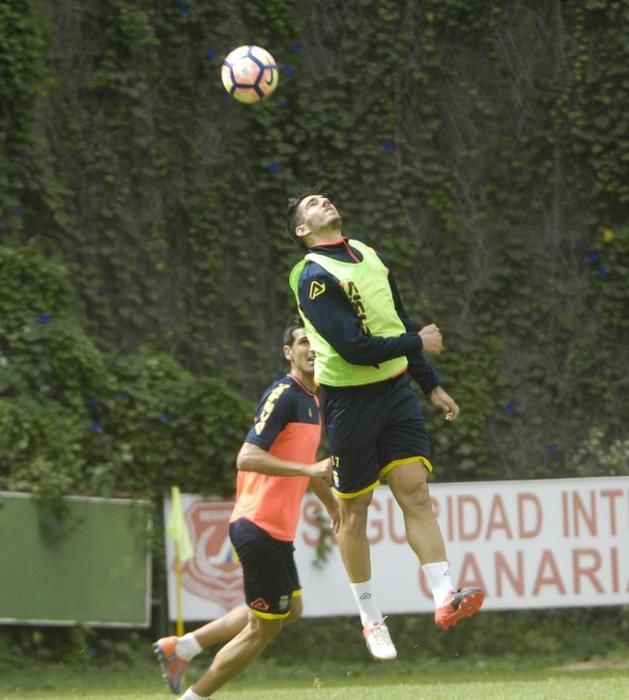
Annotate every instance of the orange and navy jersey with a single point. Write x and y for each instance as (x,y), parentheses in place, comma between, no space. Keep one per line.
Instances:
(288,426)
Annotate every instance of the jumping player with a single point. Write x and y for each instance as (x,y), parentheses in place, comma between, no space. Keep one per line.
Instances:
(276,464)
(365,349)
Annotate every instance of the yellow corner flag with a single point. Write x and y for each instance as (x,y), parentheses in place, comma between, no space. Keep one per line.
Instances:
(177,528)
(178,532)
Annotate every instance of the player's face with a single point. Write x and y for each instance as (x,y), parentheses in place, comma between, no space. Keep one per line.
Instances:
(300,354)
(317,212)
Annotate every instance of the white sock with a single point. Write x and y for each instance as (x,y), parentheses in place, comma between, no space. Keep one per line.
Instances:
(438,575)
(191,695)
(366,602)
(187,647)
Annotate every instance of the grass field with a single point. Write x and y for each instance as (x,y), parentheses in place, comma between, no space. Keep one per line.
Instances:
(609,680)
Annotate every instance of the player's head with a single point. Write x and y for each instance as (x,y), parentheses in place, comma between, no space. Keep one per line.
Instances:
(312,217)
(294,323)
(297,348)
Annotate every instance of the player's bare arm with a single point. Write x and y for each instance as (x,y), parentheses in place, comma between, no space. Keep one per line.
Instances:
(325,495)
(440,397)
(252,458)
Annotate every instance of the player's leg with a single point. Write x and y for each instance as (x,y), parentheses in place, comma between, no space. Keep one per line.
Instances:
(238,654)
(351,428)
(222,628)
(248,643)
(409,486)
(175,653)
(355,553)
(352,536)
(410,489)
(271,592)
(353,422)
(401,450)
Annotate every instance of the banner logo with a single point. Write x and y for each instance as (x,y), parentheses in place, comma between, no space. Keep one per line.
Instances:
(213,572)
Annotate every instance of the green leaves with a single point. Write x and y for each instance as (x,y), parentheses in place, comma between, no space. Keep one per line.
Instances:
(74,420)
(482,148)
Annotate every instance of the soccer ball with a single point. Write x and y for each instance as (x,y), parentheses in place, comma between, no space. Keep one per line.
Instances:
(249,73)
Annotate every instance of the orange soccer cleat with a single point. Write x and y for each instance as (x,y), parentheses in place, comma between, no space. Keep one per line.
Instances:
(173,667)
(462,603)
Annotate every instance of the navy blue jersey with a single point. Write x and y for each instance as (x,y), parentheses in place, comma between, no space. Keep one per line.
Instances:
(285,402)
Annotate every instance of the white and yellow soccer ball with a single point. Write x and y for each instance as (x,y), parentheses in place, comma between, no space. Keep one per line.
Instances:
(249,74)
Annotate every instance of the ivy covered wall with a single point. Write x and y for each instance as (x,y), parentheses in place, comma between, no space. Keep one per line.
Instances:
(482,146)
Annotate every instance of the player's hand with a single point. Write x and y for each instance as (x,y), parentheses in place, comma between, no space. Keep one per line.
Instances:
(431,339)
(322,469)
(440,397)
(335,515)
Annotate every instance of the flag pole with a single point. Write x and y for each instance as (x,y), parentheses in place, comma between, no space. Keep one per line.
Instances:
(178,531)
(179,629)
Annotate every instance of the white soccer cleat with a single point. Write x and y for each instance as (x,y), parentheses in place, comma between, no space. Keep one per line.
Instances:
(379,641)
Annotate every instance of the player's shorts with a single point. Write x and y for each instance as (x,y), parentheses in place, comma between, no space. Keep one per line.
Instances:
(268,567)
(371,429)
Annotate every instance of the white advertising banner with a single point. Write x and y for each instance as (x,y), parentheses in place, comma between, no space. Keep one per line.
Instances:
(528,544)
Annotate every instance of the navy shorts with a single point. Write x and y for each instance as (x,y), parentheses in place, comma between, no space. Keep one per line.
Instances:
(268,567)
(371,429)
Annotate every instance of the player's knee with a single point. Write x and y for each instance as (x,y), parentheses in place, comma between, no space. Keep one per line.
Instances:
(416,496)
(354,513)
(354,522)
(423,494)
(263,632)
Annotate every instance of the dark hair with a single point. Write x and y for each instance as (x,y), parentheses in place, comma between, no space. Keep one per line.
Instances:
(292,218)
(293,324)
